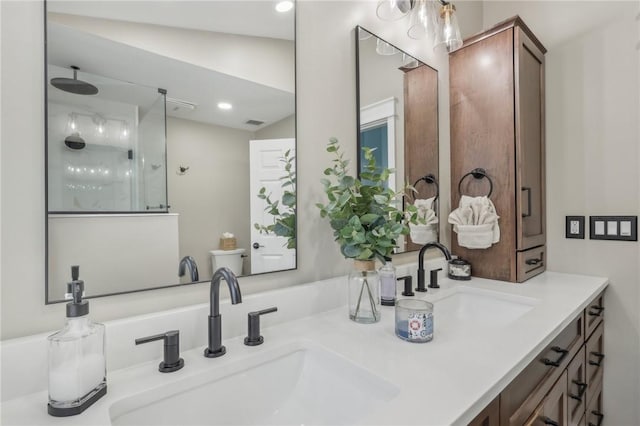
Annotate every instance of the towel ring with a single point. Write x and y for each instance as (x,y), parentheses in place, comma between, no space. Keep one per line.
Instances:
(478,174)
(431,179)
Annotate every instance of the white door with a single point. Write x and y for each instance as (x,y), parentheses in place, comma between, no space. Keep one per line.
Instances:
(268,251)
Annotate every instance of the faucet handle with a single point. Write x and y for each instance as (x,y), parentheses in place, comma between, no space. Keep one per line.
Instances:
(172,360)
(433,281)
(408,283)
(254,338)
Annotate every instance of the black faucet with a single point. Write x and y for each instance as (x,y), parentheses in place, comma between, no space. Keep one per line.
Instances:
(189,262)
(215,348)
(424,248)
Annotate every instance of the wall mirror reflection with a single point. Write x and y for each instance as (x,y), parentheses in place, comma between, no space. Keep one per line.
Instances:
(170,142)
(398,116)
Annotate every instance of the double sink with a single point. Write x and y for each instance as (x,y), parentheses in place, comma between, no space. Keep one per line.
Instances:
(304,383)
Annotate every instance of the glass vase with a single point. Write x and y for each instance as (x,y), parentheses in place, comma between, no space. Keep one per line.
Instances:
(364,292)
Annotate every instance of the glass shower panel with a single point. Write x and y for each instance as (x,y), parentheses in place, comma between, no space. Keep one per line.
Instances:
(151,193)
(93,143)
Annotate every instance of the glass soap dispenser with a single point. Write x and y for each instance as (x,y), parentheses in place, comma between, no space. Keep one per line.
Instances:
(388,283)
(77,367)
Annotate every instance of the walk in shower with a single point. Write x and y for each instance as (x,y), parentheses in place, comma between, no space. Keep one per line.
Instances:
(106,144)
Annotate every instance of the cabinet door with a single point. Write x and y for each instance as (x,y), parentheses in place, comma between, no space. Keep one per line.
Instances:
(553,409)
(555,404)
(594,314)
(490,416)
(530,157)
(594,349)
(576,389)
(594,415)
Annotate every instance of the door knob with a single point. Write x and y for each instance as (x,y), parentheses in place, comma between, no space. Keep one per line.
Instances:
(257,246)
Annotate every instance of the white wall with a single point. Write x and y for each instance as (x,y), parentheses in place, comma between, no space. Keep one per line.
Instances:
(285,128)
(212,196)
(326,107)
(593,162)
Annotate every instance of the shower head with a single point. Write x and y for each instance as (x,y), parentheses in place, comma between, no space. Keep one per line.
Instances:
(73,85)
(74,141)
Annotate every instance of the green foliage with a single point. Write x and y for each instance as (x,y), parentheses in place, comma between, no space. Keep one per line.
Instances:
(283,210)
(363,216)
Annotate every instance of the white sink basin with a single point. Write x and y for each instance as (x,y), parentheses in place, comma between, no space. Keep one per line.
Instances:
(294,385)
(467,311)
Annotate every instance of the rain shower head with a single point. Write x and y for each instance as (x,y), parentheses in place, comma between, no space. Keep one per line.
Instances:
(74,141)
(73,85)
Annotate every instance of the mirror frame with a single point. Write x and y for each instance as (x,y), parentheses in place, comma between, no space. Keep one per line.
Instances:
(359,28)
(48,300)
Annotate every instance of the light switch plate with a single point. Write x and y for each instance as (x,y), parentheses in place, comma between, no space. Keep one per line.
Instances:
(574,227)
(620,228)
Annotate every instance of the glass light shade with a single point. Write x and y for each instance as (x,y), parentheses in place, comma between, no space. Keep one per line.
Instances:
(385,49)
(392,10)
(423,19)
(409,61)
(72,123)
(448,35)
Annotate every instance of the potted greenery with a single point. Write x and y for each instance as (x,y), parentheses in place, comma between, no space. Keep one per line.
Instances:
(283,210)
(366,224)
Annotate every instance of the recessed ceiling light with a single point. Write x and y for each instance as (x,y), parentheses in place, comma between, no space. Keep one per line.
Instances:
(284,6)
(224,105)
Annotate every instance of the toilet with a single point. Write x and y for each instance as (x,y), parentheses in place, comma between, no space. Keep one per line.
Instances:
(232,259)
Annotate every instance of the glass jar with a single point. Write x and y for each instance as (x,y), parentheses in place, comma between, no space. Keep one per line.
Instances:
(414,320)
(364,292)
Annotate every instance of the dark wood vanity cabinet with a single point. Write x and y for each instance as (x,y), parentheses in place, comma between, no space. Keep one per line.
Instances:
(562,385)
(497,124)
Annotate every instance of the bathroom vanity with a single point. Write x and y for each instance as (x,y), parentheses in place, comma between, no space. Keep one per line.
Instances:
(316,366)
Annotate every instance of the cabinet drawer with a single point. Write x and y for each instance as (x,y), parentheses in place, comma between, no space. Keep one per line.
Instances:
(576,388)
(553,408)
(594,314)
(594,415)
(594,355)
(520,398)
(530,263)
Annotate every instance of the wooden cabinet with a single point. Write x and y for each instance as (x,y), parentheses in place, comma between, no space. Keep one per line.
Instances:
(497,124)
(490,416)
(561,386)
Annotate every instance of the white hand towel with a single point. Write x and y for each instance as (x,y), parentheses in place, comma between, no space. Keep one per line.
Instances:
(476,222)
(426,232)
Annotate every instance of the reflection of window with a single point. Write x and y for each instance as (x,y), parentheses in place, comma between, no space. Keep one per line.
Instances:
(377,130)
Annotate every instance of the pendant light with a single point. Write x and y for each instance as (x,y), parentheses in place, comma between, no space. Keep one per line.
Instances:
(423,20)
(448,34)
(392,10)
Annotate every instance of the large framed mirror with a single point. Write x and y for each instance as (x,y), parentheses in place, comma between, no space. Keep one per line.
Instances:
(170,142)
(397,101)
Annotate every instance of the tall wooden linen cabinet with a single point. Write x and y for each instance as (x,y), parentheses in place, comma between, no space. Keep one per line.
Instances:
(497,124)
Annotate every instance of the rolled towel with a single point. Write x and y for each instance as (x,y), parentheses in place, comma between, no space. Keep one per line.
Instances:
(476,222)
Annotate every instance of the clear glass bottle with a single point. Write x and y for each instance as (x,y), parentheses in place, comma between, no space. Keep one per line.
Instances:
(77,363)
(387,284)
(364,292)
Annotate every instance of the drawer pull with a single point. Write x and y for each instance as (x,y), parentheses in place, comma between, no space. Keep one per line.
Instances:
(582,387)
(563,353)
(600,417)
(533,261)
(548,421)
(595,311)
(599,356)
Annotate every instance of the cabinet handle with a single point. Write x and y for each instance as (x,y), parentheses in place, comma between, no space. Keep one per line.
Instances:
(533,261)
(528,213)
(595,311)
(582,387)
(548,421)
(600,417)
(563,353)
(598,355)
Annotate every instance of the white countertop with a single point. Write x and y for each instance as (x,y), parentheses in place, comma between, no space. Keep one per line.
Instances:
(446,381)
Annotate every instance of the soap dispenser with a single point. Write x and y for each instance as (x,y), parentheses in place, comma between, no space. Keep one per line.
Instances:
(77,367)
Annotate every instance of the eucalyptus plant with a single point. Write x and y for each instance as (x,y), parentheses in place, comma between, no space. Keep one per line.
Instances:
(283,210)
(362,212)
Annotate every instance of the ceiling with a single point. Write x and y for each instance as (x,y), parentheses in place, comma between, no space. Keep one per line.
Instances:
(97,56)
(244,17)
